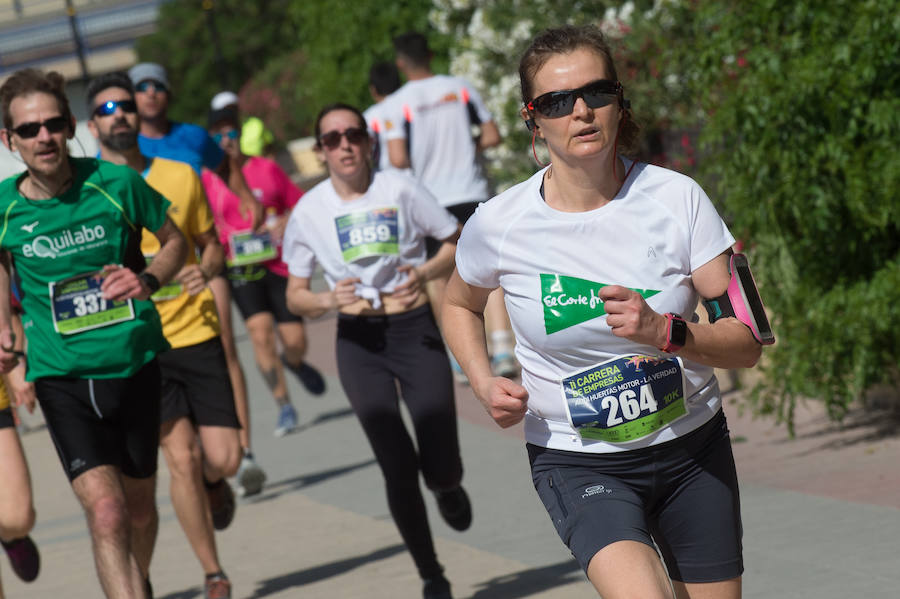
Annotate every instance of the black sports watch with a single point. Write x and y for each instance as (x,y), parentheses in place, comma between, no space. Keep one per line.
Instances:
(150,281)
(676,333)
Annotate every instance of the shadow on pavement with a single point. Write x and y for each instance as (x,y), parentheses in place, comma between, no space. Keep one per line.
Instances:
(529,582)
(289,485)
(858,426)
(185,594)
(317,573)
(323,418)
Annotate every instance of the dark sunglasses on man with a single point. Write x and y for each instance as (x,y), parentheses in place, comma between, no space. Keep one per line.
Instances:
(29,130)
(108,108)
(354,135)
(146,84)
(595,94)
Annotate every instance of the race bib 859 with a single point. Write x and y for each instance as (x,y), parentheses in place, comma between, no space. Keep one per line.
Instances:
(369,233)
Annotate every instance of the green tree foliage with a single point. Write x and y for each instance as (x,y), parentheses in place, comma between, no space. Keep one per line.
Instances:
(250,33)
(288,58)
(800,112)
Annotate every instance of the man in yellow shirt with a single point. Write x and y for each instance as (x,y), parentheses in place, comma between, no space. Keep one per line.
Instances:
(197,397)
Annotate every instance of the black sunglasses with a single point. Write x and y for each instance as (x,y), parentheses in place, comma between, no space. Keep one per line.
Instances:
(108,108)
(354,135)
(147,83)
(595,94)
(29,130)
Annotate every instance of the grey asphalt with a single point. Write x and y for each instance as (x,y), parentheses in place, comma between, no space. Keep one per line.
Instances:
(321,527)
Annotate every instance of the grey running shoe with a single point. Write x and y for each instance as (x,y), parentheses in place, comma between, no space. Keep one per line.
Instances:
(24,557)
(287,420)
(250,476)
(504,365)
(217,586)
(221,503)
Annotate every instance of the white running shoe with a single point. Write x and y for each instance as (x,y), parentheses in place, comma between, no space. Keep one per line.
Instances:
(250,477)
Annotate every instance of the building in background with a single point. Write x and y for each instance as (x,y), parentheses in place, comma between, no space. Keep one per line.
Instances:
(78,38)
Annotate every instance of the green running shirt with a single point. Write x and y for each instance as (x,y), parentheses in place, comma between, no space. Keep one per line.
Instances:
(92,224)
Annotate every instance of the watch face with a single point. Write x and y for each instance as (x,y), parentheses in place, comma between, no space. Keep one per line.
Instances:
(678,332)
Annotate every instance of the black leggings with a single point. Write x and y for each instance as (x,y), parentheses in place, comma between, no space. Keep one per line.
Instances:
(374,354)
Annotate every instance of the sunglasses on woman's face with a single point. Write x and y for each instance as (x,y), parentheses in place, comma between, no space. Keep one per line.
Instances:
(595,94)
(230,134)
(29,130)
(108,108)
(354,135)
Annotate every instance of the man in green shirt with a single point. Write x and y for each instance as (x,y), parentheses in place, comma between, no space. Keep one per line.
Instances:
(197,397)
(72,228)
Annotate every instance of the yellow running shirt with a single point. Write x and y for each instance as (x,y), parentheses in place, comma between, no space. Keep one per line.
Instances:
(4,395)
(187,320)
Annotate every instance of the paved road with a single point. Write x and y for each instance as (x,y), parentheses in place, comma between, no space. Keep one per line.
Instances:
(322,529)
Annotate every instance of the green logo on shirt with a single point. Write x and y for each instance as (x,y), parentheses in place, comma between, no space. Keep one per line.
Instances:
(569,301)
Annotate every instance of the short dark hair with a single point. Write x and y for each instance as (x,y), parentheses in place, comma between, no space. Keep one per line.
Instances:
(331,108)
(30,81)
(384,77)
(413,47)
(565,40)
(104,82)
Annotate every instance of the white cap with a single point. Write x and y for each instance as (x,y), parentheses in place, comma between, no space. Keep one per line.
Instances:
(223,99)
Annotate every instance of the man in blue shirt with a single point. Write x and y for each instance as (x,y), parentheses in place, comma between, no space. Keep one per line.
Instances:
(161,137)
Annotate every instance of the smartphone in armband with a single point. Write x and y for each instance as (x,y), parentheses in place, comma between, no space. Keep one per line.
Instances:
(742,301)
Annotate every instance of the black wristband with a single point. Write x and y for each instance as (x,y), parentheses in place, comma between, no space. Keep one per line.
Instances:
(150,281)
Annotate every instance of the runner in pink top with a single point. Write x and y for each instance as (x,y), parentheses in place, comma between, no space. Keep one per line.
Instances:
(256,275)
(272,188)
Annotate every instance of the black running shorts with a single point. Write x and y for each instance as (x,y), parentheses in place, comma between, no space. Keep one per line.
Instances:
(462,212)
(6,418)
(195,384)
(682,495)
(257,289)
(97,422)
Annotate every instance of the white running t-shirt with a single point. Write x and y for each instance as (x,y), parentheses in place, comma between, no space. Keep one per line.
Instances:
(443,156)
(368,237)
(658,230)
(376,122)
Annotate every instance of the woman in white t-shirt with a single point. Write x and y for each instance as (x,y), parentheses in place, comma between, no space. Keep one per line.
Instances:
(367,232)
(597,256)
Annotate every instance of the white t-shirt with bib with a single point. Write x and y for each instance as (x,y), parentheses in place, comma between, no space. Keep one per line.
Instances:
(442,152)
(551,264)
(368,237)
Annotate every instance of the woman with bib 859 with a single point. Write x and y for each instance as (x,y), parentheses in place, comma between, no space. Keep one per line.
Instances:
(598,255)
(368,234)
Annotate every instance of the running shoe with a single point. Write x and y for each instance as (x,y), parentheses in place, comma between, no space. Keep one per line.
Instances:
(217,586)
(221,503)
(250,476)
(455,508)
(436,588)
(309,376)
(24,557)
(287,420)
(504,365)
